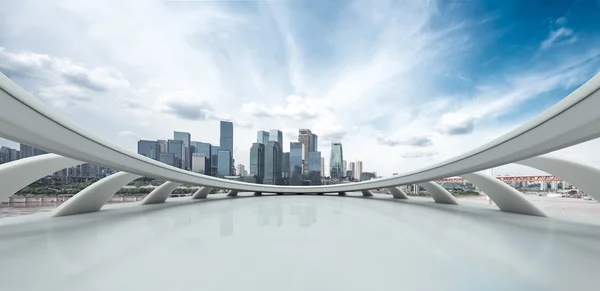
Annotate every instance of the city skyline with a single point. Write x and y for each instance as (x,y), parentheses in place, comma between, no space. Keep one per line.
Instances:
(377,95)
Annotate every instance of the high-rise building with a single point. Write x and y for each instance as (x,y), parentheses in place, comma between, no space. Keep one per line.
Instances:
(315,143)
(240,170)
(351,169)
(257,162)
(27,151)
(199,163)
(286,166)
(296,165)
(224,163)
(8,155)
(322,166)
(358,170)
(336,160)
(162,146)
(345,167)
(305,137)
(214,160)
(227,141)
(314,168)
(148,148)
(186,152)
(169,159)
(177,148)
(205,149)
(262,137)
(271,159)
(277,136)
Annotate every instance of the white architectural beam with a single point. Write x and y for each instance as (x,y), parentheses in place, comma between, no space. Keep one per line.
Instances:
(16,175)
(202,193)
(507,198)
(584,177)
(93,197)
(366,193)
(161,193)
(398,193)
(438,193)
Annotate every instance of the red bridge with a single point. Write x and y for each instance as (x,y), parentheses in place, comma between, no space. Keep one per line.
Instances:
(508,179)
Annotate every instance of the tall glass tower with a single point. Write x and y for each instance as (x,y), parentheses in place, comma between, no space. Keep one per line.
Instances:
(277,136)
(262,137)
(186,153)
(296,152)
(336,161)
(227,141)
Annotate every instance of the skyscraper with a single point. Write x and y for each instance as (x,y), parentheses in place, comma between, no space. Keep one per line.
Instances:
(296,167)
(257,162)
(186,154)
(314,168)
(149,148)
(214,160)
(262,137)
(205,149)
(271,160)
(199,163)
(277,136)
(227,140)
(351,169)
(336,161)
(315,143)
(305,137)
(322,166)
(224,163)
(358,169)
(240,170)
(345,168)
(162,146)
(286,166)
(176,148)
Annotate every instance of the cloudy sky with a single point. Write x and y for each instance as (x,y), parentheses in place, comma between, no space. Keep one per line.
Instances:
(402,84)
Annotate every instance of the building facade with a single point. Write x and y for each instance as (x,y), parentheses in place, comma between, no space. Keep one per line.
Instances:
(177,148)
(336,161)
(286,168)
(205,149)
(27,151)
(257,161)
(186,152)
(277,136)
(214,160)
(162,146)
(148,148)
(305,137)
(226,141)
(314,168)
(169,159)
(315,143)
(296,163)
(224,163)
(199,163)
(262,137)
(271,161)
(323,174)
(358,170)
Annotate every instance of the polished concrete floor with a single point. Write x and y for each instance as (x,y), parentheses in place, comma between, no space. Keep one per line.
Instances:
(295,242)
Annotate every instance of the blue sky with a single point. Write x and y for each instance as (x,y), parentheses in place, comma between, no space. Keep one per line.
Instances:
(402,84)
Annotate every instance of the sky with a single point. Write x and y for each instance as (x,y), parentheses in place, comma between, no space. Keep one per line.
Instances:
(402,84)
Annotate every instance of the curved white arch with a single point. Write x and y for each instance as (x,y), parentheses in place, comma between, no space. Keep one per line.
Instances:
(438,193)
(16,175)
(398,193)
(161,193)
(366,193)
(507,198)
(202,193)
(232,193)
(94,196)
(585,177)
(571,121)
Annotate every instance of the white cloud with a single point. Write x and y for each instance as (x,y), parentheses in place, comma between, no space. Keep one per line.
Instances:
(366,79)
(561,34)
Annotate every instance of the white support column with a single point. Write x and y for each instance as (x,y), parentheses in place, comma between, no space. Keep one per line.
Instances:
(366,193)
(398,193)
(161,193)
(16,175)
(232,193)
(93,197)
(507,198)
(582,176)
(439,194)
(202,193)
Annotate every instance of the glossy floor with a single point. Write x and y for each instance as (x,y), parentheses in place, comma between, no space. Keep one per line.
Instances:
(298,243)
